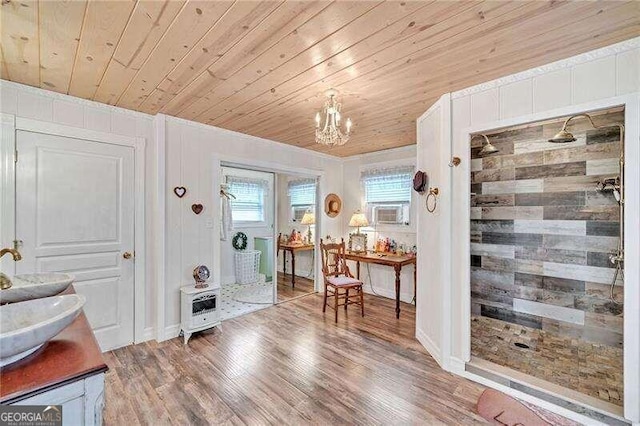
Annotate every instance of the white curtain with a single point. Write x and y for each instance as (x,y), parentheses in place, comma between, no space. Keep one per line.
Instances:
(302,192)
(250,193)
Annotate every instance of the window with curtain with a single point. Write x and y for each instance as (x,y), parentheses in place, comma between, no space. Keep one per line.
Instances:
(249,204)
(302,197)
(387,194)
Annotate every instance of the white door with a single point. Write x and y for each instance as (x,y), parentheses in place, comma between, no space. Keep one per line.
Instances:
(75,214)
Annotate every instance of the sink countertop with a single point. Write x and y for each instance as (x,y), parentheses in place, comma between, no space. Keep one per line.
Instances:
(72,355)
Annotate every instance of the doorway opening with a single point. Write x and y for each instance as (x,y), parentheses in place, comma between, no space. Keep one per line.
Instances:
(296,211)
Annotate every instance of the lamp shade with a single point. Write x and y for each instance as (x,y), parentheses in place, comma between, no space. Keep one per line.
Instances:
(308,219)
(358,219)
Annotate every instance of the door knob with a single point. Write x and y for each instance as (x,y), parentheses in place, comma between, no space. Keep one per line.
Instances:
(127,255)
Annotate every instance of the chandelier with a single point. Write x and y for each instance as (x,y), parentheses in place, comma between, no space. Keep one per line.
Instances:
(330,134)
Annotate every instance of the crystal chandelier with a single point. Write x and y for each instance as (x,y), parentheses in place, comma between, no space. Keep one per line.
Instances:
(330,134)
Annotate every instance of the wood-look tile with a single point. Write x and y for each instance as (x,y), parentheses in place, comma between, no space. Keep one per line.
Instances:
(525,133)
(598,151)
(577,168)
(476,164)
(561,227)
(476,260)
(609,322)
(603,167)
(493,200)
(563,285)
(601,260)
(579,272)
(549,254)
(476,236)
(550,297)
(603,291)
(529,212)
(526,147)
(598,306)
(528,280)
(514,160)
(601,198)
(529,266)
(590,213)
(609,134)
(492,250)
(500,279)
(571,183)
(498,213)
(609,229)
(512,317)
(513,186)
(576,198)
(496,264)
(476,213)
(482,293)
(476,188)
(492,175)
(519,239)
(578,243)
(543,310)
(492,225)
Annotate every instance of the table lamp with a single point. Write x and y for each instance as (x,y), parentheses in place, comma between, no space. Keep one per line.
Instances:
(358,219)
(308,219)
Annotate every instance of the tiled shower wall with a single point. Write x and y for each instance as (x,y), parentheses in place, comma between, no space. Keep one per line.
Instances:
(541,235)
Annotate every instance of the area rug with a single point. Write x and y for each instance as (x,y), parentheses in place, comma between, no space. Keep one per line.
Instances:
(500,409)
(259,293)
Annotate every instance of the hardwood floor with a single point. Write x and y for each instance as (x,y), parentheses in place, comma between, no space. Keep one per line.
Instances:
(290,364)
(286,292)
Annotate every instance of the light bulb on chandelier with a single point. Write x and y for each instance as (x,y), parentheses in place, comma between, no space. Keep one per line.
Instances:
(330,133)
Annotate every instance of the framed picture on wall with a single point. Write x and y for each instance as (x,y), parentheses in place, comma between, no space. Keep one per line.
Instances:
(358,243)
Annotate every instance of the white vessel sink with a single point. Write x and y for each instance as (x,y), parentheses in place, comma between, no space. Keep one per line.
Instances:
(26,326)
(35,286)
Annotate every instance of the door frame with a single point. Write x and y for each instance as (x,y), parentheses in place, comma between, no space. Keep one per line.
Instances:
(220,161)
(10,125)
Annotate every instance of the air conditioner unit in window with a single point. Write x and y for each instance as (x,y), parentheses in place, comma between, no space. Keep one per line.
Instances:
(389,214)
(297,212)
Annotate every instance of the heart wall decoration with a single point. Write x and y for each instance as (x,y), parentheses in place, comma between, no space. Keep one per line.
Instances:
(197,208)
(180,191)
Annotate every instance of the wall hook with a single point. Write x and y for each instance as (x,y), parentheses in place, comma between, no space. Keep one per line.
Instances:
(455,162)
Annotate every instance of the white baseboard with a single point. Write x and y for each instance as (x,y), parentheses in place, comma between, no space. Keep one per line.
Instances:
(171,331)
(429,345)
(456,365)
(149,333)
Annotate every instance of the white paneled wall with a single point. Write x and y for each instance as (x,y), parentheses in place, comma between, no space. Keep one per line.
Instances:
(28,102)
(194,153)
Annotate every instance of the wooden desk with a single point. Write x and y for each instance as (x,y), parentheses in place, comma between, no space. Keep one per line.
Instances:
(292,248)
(386,259)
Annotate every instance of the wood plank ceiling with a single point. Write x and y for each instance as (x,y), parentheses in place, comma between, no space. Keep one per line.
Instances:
(262,67)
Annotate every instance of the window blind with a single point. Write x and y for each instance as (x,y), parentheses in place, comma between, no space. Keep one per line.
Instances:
(302,192)
(390,185)
(248,206)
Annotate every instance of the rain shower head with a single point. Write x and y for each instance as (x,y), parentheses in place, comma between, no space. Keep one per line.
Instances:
(487,147)
(564,136)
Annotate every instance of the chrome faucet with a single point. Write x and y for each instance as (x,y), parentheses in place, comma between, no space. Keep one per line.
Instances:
(5,282)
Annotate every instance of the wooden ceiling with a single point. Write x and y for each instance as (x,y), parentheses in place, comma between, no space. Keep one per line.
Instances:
(262,67)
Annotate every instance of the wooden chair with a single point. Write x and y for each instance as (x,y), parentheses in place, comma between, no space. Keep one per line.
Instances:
(338,279)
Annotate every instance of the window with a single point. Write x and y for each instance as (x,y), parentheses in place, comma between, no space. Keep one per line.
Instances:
(387,195)
(302,197)
(248,206)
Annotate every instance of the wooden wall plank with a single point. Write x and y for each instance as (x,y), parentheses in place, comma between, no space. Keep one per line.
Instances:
(188,80)
(193,22)
(103,24)
(60,27)
(331,19)
(19,34)
(149,21)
